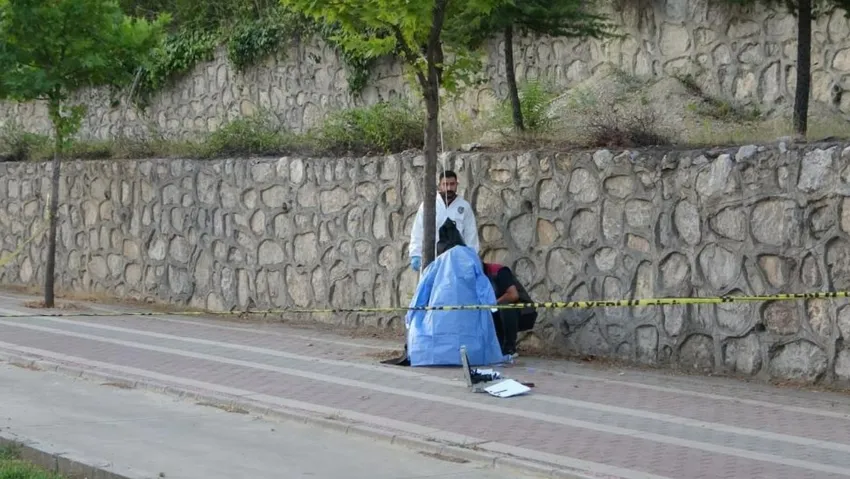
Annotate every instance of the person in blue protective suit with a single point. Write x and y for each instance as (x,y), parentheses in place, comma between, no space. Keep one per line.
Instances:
(451,206)
(456,277)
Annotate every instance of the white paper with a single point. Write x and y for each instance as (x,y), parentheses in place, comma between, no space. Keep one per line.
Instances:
(507,388)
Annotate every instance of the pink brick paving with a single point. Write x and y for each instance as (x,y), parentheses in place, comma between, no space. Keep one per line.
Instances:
(820,428)
(629,452)
(556,439)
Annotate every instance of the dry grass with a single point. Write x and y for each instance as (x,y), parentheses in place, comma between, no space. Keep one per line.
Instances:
(613,109)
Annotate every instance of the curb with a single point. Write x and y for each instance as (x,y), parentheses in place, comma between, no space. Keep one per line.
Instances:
(421,444)
(59,463)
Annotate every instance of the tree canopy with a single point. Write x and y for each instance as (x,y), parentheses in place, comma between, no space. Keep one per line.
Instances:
(50,49)
(413,31)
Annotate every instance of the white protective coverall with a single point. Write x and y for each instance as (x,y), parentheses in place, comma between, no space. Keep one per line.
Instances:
(459,211)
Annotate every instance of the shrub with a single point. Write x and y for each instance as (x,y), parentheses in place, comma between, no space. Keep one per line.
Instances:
(613,128)
(16,144)
(381,128)
(535,98)
(252,40)
(257,135)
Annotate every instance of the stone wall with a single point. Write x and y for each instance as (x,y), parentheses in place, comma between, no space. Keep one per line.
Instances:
(267,233)
(748,55)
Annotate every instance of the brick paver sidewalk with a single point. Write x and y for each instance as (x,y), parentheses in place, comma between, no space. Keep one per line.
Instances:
(579,421)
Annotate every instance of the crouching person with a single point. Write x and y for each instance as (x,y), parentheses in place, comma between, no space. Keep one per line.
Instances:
(509,322)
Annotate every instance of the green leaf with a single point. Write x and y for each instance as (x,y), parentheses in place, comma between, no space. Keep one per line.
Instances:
(51,48)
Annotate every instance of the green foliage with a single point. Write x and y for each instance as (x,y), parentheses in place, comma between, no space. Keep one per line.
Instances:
(177,54)
(557,18)
(51,49)
(382,128)
(205,15)
(16,144)
(11,467)
(359,67)
(535,99)
(16,469)
(251,30)
(378,129)
(251,41)
(258,135)
(370,30)
(10,452)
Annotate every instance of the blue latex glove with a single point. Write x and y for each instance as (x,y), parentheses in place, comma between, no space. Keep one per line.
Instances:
(415,263)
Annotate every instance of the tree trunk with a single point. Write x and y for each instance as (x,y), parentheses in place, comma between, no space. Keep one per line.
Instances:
(510,73)
(53,207)
(804,67)
(429,184)
(431,91)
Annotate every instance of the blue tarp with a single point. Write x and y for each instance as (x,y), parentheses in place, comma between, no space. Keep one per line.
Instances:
(434,338)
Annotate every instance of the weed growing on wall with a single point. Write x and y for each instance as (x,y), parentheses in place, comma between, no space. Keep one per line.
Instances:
(250,42)
(178,54)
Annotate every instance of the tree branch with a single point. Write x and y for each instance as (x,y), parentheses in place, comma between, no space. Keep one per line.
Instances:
(406,51)
(434,49)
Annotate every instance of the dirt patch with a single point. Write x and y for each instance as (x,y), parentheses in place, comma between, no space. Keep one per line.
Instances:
(119,385)
(225,407)
(443,457)
(28,366)
(384,355)
(60,306)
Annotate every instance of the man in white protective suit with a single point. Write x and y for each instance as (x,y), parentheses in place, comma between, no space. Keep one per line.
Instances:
(452,206)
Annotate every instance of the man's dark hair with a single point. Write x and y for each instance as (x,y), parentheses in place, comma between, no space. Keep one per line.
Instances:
(448,174)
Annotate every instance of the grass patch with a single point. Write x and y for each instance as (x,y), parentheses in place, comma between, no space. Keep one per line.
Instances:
(10,452)
(12,467)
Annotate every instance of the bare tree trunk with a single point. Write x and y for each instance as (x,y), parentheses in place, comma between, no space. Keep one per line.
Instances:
(431,91)
(429,182)
(804,67)
(510,73)
(50,267)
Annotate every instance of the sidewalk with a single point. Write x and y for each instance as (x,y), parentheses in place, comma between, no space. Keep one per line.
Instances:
(580,420)
(140,435)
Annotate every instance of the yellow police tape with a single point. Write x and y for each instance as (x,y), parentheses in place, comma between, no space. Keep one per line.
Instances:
(623,303)
(14,254)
